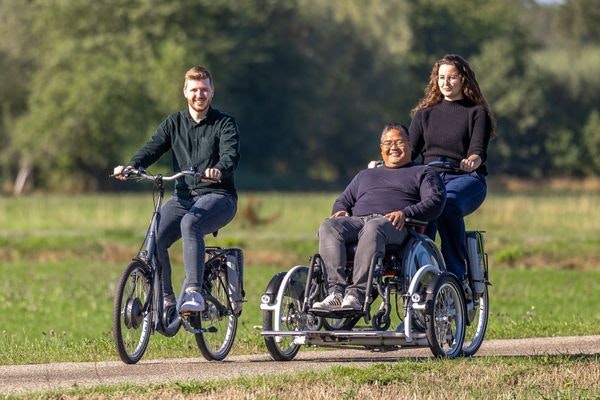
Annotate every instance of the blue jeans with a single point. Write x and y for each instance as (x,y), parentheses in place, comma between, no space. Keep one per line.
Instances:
(191,219)
(465,193)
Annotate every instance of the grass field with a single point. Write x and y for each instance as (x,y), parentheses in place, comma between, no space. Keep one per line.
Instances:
(62,257)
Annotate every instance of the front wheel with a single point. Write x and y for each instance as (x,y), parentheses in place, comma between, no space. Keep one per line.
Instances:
(218,322)
(287,316)
(445,316)
(132,316)
(478,316)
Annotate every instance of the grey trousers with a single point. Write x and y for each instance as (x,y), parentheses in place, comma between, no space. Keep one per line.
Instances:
(371,234)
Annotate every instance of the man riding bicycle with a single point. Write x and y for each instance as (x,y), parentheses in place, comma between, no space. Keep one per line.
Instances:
(207,140)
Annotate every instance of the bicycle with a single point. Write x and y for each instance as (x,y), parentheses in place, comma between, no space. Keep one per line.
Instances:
(138,300)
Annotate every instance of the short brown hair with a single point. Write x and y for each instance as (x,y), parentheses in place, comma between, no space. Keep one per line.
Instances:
(197,73)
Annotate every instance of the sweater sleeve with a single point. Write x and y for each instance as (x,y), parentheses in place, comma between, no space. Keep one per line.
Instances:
(158,145)
(229,148)
(347,198)
(480,133)
(433,197)
(415,135)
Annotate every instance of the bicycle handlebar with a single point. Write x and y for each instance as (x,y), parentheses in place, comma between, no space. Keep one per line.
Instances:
(130,172)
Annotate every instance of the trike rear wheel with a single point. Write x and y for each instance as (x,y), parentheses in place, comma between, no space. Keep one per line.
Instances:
(475,331)
(132,316)
(445,316)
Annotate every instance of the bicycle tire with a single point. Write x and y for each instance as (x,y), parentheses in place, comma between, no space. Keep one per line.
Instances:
(475,332)
(283,348)
(216,344)
(132,316)
(445,316)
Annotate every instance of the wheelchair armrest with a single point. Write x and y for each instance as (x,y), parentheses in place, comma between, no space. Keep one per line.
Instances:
(415,222)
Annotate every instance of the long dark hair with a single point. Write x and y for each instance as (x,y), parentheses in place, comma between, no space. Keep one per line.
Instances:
(470,89)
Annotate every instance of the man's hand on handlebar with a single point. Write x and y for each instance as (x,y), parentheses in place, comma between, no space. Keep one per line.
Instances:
(211,175)
(120,172)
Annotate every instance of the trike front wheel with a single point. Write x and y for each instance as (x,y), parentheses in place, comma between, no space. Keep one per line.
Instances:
(287,316)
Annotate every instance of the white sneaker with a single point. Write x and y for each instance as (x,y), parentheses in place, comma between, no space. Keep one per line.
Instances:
(329,303)
(192,301)
(351,303)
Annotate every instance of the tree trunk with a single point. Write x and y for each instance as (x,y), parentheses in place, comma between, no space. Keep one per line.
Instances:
(22,178)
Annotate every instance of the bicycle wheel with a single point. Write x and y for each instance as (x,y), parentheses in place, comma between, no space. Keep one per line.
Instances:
(218,320)
(475,332)
(132,319)
(445,317)
(283,348)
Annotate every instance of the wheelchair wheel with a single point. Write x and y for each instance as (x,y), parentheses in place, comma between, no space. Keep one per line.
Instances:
(218,319)
(445,316)
(476,330)
(287,317)
(132,319)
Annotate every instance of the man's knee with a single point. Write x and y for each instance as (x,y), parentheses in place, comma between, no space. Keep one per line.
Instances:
(328,229)
(189,225)
(372,229)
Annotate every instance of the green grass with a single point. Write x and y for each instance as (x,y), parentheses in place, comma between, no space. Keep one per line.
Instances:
(62,256)
(546,377)
(62,311)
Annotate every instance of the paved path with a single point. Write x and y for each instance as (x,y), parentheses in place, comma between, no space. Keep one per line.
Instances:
(25,378)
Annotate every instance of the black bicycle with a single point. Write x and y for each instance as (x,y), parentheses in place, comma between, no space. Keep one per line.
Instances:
(138,308)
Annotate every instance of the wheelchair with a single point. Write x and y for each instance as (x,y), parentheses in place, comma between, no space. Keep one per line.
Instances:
(411,286)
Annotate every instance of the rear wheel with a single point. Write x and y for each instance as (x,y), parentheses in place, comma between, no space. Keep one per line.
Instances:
(475,332)
(132,319)
(445,316)
(287,317)
(218,320)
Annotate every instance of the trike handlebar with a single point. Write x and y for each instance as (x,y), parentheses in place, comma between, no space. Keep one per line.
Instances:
(448,166)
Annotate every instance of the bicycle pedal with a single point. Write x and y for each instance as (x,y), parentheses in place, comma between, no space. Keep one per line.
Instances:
(188,314)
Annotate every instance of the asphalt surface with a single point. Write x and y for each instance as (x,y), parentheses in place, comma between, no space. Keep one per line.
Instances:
(16,379)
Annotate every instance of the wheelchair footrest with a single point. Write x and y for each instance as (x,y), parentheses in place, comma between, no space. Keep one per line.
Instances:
(341,313)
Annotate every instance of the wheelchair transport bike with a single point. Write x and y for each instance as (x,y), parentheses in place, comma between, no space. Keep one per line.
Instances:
(409,285)
(138,308)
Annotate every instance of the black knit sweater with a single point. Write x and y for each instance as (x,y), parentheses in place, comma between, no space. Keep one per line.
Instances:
(452,130)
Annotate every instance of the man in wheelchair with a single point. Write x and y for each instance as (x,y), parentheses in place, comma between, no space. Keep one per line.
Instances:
(371,213)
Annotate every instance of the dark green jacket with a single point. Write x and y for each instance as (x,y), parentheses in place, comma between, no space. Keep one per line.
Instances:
(212,143)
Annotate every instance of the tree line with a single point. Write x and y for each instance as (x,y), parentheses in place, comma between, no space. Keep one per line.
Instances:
(311,83)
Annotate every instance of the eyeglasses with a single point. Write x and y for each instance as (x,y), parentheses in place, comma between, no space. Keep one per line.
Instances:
(389,143)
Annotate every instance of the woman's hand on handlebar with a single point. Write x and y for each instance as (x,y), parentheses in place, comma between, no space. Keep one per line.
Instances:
(470,163)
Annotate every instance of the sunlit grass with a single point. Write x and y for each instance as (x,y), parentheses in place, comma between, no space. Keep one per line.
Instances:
(62,256)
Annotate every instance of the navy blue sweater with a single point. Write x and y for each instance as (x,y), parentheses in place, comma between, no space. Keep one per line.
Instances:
(416,190)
